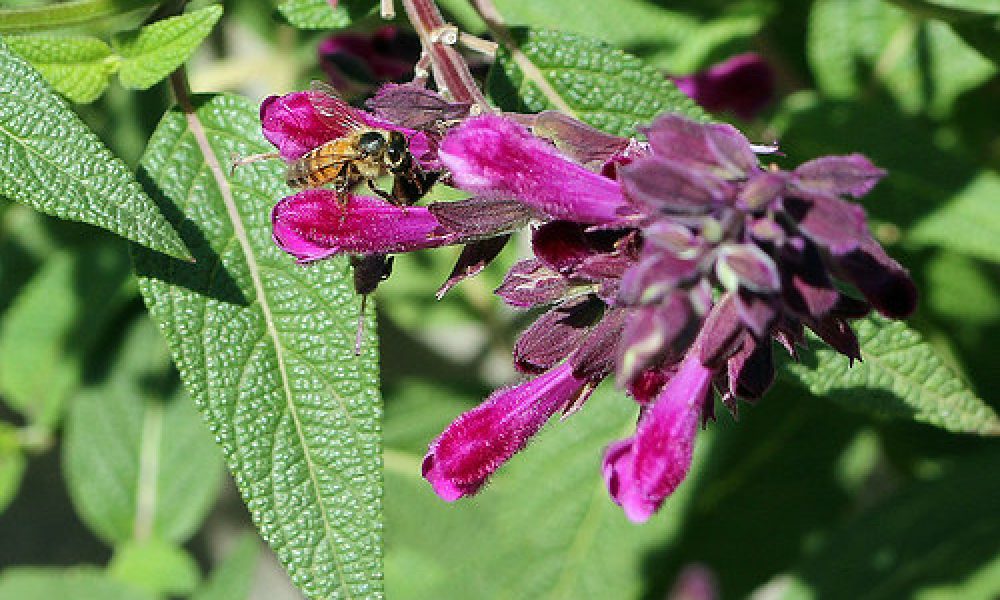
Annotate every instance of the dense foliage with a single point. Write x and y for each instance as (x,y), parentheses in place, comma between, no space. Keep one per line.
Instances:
(140,286)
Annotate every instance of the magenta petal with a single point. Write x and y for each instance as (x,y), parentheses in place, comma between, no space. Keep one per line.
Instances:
(290,123)
(643,471)
(312,224)
(477,443)
(496,156)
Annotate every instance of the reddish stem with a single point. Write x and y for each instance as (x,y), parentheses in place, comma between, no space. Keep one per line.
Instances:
(451,72)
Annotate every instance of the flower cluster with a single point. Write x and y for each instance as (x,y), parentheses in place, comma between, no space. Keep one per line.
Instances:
(670,263)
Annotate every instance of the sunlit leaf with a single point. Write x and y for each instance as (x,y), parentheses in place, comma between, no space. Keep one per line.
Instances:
(601,85)
(151,53)
(900,376)
(53,163)
(77,67)
(266,349)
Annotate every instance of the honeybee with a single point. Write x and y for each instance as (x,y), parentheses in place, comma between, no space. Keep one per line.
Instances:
(359,153)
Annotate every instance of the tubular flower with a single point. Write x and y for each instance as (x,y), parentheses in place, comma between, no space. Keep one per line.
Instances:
(670,264)
(742,84)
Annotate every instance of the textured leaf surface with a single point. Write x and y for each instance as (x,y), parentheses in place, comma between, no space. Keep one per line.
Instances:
(37,583)
(266,348)
(674,36)
(153,52)
(53,163)
(900,376)
(603,86)
(915,544)
(315,14)
(969,223)
(544,528)
(77,67)
(233,577)
(46,333)
(138,460)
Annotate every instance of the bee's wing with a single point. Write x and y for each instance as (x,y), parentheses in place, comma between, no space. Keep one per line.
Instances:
(332,110)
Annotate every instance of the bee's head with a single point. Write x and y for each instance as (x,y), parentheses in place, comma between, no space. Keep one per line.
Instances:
(372,143)
(397,152)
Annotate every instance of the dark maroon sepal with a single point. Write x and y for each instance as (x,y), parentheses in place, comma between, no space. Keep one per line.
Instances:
(595,359)
(852,175)
(530,283)
(555,334)
(414,106)
(671,187)
(720,334)
(717,147)
(881,279)
(474,258)
(751,369)
(590,147)
(481,217)
(837,332)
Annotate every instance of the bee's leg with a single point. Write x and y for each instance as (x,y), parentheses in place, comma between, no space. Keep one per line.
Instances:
(411,186)
(235,160)
(380,192)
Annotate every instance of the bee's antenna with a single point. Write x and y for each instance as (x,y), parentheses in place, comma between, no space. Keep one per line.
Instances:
(235,160)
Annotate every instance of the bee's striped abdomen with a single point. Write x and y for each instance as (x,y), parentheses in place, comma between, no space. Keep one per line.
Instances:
(329,163)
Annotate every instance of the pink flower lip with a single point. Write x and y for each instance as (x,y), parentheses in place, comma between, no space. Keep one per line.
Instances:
(478,442)
(313,224)
(642,471)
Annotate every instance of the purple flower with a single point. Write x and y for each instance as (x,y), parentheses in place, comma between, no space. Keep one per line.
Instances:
(313,224)
(476,444)
(494,156)
(743,85)
(671,264)
(643,470)
(293,124)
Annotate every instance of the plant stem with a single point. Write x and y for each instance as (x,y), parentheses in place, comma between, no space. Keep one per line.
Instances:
(494,22)
(66,14)
(451,73)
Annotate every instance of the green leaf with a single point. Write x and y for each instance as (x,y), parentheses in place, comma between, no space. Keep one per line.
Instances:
(315,14)
(969,223)
(951,9)
(79,583)
(156,566)
(601,85)
(77,67)
(659,32)
(53,163)
(51,325)
(932,540)
(65,14)
(12,464)
(923,64)
(544,527)
(900,376)
(139,462)
(233,577)
(266,348)
(152,53)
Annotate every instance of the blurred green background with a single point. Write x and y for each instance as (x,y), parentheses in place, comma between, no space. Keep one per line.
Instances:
(104,460)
